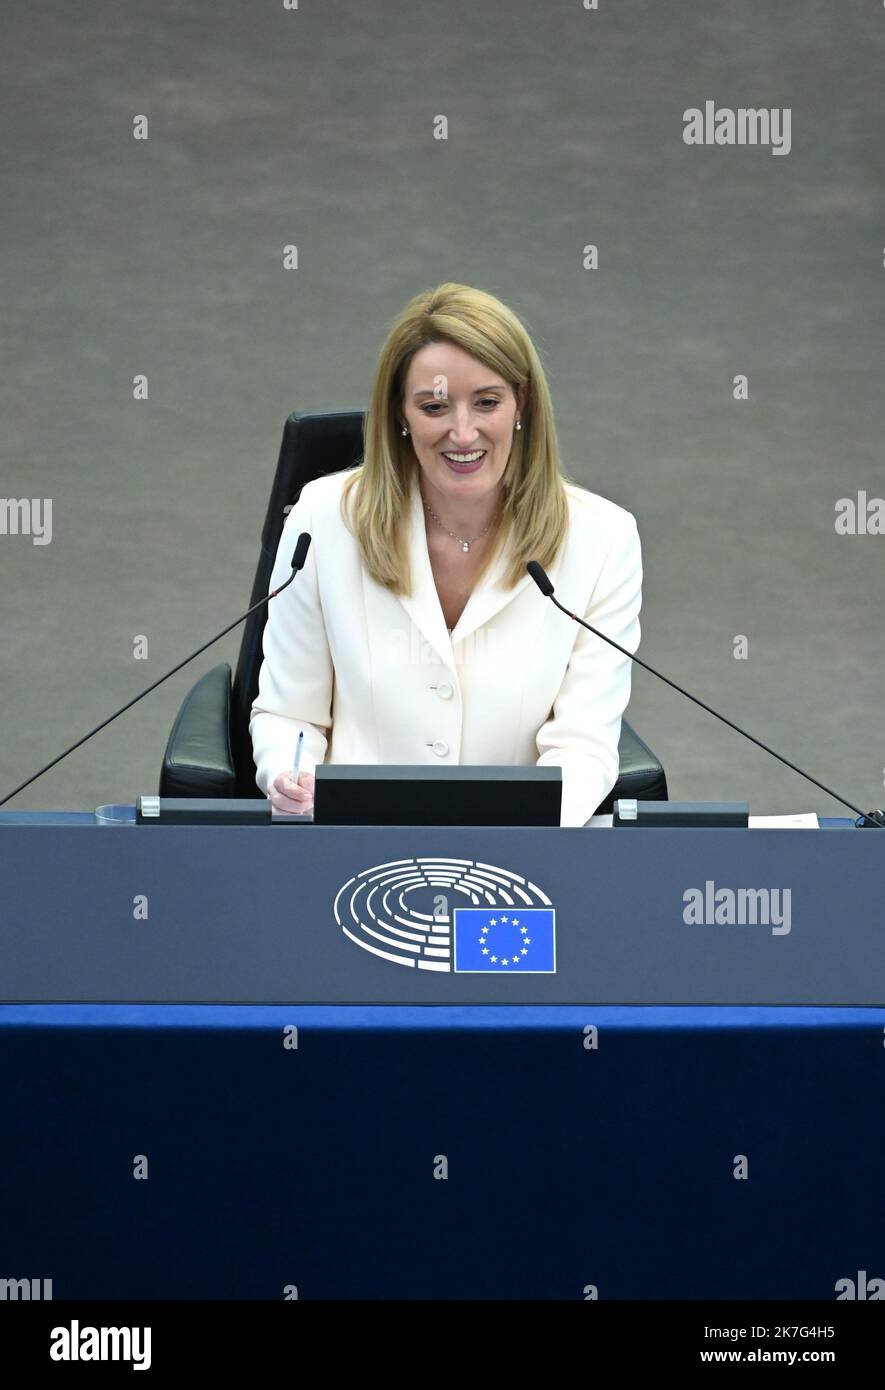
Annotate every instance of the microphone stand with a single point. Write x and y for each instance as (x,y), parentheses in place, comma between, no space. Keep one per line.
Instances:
(541,578)
(298,559)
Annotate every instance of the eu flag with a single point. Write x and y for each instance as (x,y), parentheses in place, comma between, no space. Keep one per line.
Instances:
(509,941)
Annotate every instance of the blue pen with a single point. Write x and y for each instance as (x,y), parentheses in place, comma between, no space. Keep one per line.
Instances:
(298,755)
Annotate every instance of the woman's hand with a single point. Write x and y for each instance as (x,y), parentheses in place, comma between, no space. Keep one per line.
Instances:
(290,797)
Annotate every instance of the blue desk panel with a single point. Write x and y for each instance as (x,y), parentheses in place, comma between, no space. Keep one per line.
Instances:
(574,1160)
(568,1166)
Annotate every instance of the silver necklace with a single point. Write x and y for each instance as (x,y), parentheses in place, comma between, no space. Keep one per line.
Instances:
(465,545)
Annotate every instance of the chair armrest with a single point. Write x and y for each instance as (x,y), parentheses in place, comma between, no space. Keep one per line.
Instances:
(198,760)
(640,773)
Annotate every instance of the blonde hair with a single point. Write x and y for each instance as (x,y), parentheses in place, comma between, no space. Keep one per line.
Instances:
(535,504)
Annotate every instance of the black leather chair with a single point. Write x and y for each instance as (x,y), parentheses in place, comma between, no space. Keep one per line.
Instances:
(209,753)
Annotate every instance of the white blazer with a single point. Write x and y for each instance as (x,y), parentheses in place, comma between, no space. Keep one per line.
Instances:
(372,677)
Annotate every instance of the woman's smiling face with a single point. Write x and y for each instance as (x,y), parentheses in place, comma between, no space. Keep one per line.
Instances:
(452,404)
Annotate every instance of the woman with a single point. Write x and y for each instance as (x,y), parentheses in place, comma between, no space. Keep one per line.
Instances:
(414,633)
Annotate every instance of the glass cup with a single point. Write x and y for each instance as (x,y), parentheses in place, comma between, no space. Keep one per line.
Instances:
(115,814)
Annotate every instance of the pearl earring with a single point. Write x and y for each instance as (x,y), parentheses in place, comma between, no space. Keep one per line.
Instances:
(518,425)
(405,432)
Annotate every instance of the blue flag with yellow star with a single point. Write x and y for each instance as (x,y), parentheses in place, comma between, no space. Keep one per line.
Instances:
(515,941)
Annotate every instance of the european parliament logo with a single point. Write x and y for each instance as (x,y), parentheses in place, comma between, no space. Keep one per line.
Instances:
(444,914)
(521,941)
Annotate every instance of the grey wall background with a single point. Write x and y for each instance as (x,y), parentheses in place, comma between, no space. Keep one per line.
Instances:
(314,126)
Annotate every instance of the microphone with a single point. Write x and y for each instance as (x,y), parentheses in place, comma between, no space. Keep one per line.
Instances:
(301,548)
(542,579)
(302,545)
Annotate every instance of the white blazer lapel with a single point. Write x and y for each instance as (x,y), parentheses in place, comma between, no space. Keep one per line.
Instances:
(423,605)
(489,596)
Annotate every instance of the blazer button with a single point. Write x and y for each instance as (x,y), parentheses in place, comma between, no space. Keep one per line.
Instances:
(440,748)
(445,691)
